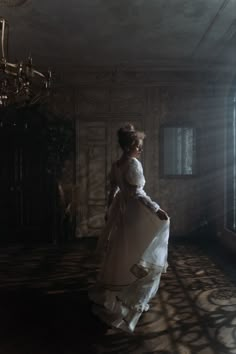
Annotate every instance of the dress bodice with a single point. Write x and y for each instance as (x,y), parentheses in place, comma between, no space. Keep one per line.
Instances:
(130,181)
(129,175)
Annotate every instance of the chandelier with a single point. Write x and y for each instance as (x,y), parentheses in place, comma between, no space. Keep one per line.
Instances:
(20,83)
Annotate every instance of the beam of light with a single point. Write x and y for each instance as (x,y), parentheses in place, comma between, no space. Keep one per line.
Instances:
(234,167)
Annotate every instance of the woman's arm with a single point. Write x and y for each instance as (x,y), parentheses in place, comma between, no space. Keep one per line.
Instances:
(153,206)
(136,181)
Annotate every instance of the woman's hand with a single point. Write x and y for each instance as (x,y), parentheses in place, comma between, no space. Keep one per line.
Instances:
(162,215)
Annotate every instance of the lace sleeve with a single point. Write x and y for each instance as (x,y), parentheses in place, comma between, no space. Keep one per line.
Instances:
(135,178)
(147,201)
(134,174)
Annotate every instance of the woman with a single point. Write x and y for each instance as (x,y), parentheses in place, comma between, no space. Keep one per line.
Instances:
(135,241)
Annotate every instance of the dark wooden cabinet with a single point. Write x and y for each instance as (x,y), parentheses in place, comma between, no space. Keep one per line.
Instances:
(26,186)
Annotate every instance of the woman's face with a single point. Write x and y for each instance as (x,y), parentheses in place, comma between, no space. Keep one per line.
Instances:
(137,149)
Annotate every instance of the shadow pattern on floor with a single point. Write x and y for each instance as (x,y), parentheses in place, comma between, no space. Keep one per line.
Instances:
(44,308)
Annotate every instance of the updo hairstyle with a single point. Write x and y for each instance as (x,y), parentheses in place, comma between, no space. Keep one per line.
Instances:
(128,137)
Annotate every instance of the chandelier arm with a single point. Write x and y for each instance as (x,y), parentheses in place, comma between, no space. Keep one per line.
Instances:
(11,65)
(3,37)
(8,69)
(14,66)
(39,73)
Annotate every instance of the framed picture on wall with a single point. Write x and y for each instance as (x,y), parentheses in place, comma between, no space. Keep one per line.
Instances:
(178,157)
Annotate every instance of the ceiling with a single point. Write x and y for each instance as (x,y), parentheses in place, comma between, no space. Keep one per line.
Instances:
(73,33)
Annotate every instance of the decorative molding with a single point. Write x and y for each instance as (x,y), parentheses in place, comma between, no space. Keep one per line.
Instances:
(90,100)
(126,100)
(144,76)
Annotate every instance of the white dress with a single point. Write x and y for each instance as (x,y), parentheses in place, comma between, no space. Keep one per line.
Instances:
(135,242)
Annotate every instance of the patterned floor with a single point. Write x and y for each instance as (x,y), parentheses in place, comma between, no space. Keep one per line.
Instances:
(44,307)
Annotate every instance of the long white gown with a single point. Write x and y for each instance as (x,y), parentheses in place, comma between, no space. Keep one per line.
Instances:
(135,242)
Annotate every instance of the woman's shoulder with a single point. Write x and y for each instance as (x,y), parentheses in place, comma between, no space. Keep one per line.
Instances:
(134,166)
(134,173)
(135,162)
(130,163)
